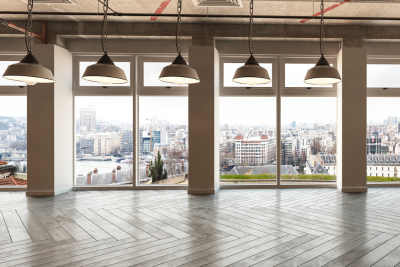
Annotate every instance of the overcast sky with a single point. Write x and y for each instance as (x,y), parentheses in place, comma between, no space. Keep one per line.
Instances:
(13,106)
(108,108)
(233,110)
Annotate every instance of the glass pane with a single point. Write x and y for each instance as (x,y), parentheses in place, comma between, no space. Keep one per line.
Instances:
(247,140)
(125,66)
(163,140)
(104,140)
(295,74)
(308,139)
(151,72)
(383,146)
(230,69)
(7,82)
(383,76)
(13,145)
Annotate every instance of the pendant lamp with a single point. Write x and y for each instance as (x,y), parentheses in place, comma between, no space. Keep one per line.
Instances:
(251,73)
(29,70)
(322,73)
(104,71)
(179,72)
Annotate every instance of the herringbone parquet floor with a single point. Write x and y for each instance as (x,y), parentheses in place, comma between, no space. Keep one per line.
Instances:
(288,227)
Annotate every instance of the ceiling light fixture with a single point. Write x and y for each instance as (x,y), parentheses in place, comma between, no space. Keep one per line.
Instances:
(322,73)
(251,73)
(29,70)
(179,72)
(104,71)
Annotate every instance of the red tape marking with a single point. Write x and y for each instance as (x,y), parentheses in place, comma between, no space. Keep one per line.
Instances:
(326,10)
(160,9)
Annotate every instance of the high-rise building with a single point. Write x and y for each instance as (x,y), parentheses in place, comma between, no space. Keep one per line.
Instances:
(226,127)
(293,124)
(255,150)
(87,119)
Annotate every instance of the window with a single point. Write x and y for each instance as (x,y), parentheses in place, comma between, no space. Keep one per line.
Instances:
(104,140)
(13,141)
(247,139)
(383,76)
(163,140)
(230,69)
(295,74)
(383,129)
(125,66)
(308,134)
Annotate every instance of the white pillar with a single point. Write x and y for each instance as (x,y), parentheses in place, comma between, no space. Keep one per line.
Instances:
(50,126)
(204,121)
(352,120)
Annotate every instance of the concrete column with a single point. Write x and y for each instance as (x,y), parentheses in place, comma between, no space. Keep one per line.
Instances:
(204,121)
(352,120)
(50,126)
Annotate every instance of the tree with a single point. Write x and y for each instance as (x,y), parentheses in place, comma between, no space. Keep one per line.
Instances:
(157,171)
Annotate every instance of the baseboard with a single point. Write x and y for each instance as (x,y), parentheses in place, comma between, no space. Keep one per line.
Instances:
(48,192)
(353,189)
(203,191)
(13,188)
(62,191)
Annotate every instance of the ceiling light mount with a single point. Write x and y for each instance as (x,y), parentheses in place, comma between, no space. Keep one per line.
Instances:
(179,72)
(105,71)
(322,73)
(251,73)
(29,70)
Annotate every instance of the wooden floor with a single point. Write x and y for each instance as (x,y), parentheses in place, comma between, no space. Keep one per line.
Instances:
(287,227)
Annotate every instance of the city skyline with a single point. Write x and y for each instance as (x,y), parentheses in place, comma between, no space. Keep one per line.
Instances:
(108,108)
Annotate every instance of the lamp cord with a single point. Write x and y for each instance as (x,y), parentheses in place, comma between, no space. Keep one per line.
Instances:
(28,32)
(104,27)
(251,29)
(321,38)
(178,28)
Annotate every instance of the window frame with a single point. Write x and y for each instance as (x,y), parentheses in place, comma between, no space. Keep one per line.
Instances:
(158,90)
(303,91)
(379,91)
(99,90)
(8,90)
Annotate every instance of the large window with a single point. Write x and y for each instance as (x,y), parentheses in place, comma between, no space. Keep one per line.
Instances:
(383,139)
(247,140)
(13,141)
(163,140)
(308,139)
(104,140)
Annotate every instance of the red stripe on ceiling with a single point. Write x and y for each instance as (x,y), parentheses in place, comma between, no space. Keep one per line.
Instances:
(160,9)
(326,10)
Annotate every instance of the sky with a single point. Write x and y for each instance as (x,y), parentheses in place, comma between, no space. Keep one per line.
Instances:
(379,108)
(13,106)
(108,108)
(173,109)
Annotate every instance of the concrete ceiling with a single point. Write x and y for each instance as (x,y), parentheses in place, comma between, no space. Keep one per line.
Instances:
(350,8)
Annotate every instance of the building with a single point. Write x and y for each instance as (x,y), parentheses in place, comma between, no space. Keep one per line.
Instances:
(126,145)
(374,145)
(106,146)
(87,119)
(255,150)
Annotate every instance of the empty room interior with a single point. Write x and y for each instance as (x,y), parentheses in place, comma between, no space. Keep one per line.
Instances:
(288,109)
